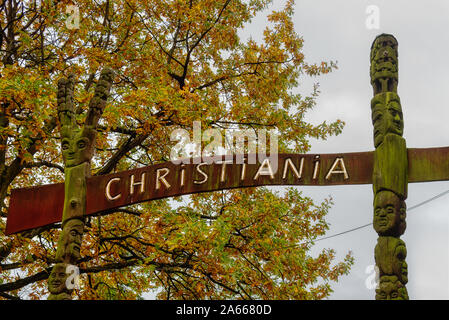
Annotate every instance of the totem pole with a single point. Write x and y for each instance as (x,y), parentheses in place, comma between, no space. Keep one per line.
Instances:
(390,173)
(78,146)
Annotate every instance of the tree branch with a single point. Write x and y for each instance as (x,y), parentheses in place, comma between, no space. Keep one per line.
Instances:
(44,163)
(18,284)
(130,144)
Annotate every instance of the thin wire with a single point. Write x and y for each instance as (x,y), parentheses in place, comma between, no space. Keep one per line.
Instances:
(369,224)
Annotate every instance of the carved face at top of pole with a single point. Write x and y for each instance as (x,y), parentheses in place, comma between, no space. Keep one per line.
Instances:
(77,146)
(387,117)
(384,64)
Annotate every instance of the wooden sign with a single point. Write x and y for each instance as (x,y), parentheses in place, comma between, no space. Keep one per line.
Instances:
(42,205)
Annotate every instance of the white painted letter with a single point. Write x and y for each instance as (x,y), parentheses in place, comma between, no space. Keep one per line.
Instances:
(108,190)
(160,177)
(288,162)
(141,183)
(317,165)
(182,175)
(265,172)
(223,168)
(202,172)
(333,169)
(243,174)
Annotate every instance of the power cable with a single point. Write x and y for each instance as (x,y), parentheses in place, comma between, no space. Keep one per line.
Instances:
(369,224)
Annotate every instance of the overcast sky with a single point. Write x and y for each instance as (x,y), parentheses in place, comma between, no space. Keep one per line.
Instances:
(336,30)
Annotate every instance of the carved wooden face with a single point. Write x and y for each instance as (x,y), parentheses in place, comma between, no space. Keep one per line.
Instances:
(57,279)
(389,214)
(390,254)
(76,148)
(71,238)
(384,58)
(390,288)
(386,116)
(74,236)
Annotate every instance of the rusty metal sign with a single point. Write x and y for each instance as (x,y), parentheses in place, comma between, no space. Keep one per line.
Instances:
(42,205)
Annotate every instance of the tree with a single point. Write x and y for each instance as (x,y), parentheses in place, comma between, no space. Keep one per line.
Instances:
(175,62)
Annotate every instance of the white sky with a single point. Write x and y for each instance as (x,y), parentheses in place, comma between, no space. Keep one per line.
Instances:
(336,30)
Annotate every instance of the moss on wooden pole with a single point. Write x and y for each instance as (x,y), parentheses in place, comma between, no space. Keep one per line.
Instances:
(78,145)
(390,175)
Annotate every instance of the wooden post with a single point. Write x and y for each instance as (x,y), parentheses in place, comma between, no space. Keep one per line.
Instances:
(390,176)
(78,145)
